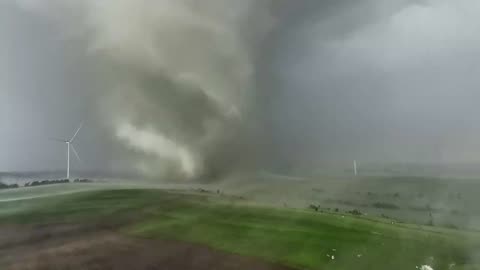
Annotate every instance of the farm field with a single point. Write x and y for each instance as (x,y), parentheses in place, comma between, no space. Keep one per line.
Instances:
(217,226)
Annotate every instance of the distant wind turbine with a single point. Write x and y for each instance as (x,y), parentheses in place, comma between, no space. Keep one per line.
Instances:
(70,145)
(355,167)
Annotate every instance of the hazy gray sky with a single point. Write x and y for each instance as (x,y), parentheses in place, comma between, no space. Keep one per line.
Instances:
(400,86)
(334,81)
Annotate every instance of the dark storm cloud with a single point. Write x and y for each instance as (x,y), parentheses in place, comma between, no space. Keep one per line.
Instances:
(398,86)
(205,89)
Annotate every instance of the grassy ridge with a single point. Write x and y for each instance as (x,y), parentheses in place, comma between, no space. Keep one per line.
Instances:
(297,238)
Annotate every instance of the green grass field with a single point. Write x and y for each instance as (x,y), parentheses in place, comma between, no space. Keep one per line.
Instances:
(298,238)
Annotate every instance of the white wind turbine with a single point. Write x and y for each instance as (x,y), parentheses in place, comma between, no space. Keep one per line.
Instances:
(70,145)
(355,167)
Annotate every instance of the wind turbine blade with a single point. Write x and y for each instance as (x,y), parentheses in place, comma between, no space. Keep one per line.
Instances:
(76,154)
(76,132)
(57,140)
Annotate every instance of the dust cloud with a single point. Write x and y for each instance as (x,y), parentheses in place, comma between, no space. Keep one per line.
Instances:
(178,77)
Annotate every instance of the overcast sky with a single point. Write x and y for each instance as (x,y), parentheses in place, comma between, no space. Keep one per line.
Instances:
(43,94)
(335,81)
(399,87)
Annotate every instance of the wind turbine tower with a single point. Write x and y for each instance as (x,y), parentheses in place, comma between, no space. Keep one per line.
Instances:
(69,144)
(355,167)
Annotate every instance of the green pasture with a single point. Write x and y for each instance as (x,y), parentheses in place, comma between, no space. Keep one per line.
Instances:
(302,239)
